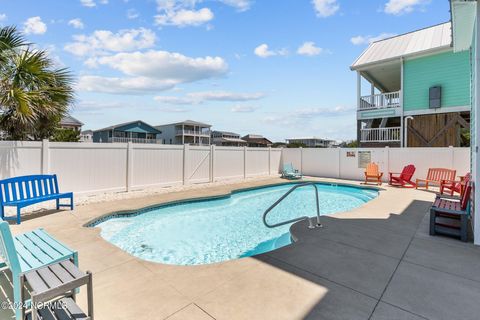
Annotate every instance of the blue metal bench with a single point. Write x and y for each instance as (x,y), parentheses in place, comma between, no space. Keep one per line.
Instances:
(24,191)
(29,251)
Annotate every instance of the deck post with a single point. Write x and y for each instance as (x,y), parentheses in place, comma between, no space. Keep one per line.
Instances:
(402,142)
(45,156)
(359,88)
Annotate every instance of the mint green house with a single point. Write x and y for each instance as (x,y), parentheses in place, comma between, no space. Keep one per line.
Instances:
(414,90)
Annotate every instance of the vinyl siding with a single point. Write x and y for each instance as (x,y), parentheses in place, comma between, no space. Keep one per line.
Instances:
(451,71)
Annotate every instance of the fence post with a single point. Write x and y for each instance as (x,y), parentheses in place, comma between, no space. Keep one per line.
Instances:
(269,161)
(185,155)
(301,160)
(212,163)
(244,162)
(339,154)
(452,156)
(386,160)
(45,156)
(129,165)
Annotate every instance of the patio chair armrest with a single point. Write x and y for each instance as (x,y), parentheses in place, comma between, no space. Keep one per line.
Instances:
(447,197)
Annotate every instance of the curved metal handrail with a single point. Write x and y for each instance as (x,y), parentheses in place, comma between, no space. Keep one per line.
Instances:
(310,223)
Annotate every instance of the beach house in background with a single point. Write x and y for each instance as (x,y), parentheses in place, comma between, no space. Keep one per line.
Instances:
(69,122)
(313,142)
(224,138)
(134,131)
(256,140)
(417,92)
(86,136)
(185,132)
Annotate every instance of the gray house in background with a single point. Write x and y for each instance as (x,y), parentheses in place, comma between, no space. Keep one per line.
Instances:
(185,132)
(69,122)
(313,142)
(225,138)
(134,131)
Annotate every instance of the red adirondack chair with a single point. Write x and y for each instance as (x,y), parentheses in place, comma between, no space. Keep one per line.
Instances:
(403,179)
(454,186)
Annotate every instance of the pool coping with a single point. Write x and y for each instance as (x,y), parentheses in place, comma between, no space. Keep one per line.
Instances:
(93,223)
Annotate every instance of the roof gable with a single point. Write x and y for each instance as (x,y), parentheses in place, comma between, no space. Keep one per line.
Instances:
(133,126)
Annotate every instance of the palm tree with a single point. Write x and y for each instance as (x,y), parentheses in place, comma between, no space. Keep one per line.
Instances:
(33,93)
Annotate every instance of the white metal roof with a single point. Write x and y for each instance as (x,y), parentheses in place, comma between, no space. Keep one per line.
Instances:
(420,41)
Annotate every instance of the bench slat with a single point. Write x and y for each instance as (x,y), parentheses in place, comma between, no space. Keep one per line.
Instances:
(52,242)
(61,273)
(34,249)
(44,246)
(72,269)
(26,256)
(36,282)
(49,278)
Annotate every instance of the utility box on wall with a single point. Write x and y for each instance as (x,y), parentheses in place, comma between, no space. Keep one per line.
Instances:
(435,97)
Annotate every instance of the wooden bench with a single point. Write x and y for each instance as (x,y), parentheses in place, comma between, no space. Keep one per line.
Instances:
(29,251)
(449,215)
(24,191)
(436,176)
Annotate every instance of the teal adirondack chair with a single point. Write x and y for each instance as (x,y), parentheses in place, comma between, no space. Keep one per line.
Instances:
(289,172)
(29,251)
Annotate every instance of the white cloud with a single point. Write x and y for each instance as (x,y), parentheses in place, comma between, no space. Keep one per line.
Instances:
(360,40)
(325,8)
(240,5)
(301,117)
(34,25)
(125,85)
(183,13)
(263,51)
(309,49)
(152,71)
(201,97)
(243,109)
(3,17)
(101,42)
(166,65)
(92,3)
(399,7)
(88,3)
(76,23)
(184,17)
(132,14)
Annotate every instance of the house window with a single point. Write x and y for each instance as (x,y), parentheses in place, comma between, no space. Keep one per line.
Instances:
(170,141)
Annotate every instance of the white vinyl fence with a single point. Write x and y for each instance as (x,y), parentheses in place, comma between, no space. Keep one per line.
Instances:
(343,163)
(94,167)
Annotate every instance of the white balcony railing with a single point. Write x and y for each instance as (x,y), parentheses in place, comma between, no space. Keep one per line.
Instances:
(380,134)
(134,140)
(193,133)
(380,101)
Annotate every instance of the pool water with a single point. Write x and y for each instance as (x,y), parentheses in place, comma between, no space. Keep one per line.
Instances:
(214,230)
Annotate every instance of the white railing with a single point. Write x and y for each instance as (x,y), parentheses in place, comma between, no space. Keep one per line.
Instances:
(380,134)
(133,140)
(193,132)
(380,101)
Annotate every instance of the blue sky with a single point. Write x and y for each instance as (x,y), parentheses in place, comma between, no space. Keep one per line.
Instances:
(274,67)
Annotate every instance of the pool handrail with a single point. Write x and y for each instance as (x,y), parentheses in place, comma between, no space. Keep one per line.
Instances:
(310,223)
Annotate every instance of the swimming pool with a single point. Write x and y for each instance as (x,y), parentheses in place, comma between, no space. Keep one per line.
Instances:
(213,230)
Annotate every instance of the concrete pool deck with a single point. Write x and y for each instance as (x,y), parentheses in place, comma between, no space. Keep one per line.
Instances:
(375,262)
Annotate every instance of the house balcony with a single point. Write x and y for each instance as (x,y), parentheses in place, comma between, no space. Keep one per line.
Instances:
(380,101)
(186,132)
(134,140)
(392,134)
